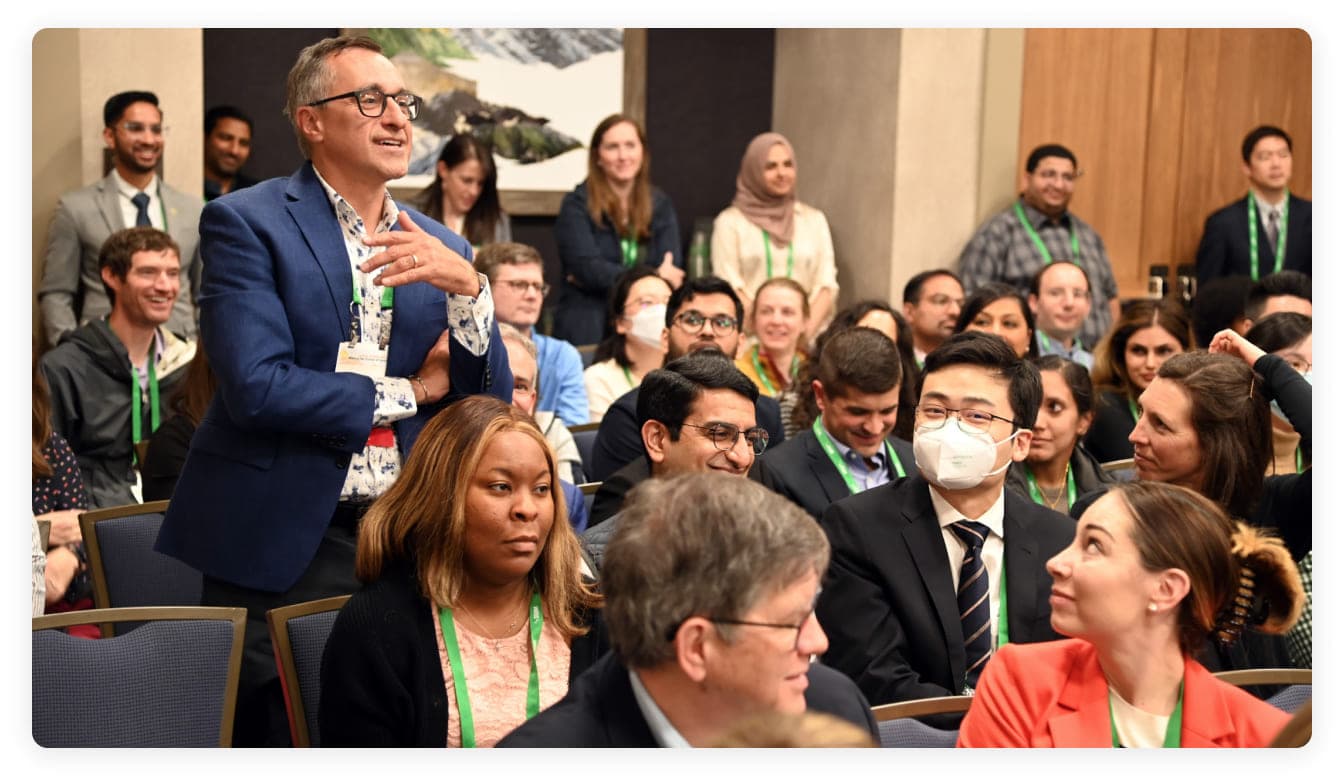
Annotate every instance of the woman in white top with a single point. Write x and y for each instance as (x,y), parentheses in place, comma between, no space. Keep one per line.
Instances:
(636,340)
(768,233)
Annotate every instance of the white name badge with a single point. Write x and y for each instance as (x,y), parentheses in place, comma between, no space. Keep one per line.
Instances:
(366,359)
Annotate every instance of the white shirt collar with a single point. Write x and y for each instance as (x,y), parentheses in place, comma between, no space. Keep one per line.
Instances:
(664,733)
(128,190)
(948,514)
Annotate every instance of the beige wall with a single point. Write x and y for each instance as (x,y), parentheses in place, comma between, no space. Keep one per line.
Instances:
(893,131)
(71,81)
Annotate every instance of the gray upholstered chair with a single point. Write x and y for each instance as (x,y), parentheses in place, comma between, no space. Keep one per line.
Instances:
(899,727)
(171,682)
(299,635)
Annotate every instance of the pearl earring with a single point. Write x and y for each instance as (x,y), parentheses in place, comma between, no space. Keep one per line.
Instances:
(1152,606)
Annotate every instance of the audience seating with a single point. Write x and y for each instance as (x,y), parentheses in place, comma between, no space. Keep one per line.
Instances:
(126,570)
(584,437)
(586,353)
(1296,683)
(899,726)
(171,682)
(298,636)
(589,490)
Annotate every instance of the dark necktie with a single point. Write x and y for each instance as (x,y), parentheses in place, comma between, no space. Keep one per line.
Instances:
(973,598)
(141,202)
(1273,233)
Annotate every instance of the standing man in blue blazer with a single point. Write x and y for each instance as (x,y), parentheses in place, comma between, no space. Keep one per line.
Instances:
(337,322)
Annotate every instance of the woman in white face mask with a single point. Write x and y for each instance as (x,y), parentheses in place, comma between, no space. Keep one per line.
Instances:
(1286,335)
(635,342)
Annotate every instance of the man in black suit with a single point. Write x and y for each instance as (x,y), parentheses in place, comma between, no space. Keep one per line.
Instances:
(901,569)
(710,586)
(1259,217)
(703,315)
(698,415)
(849,447)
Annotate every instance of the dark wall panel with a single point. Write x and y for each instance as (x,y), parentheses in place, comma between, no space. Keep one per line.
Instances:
(247,68)
(709,92)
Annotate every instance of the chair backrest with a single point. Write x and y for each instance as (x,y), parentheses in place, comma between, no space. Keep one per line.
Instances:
(899,727)
(586,353)
(298,636)
(1127,464)
(1297,683)
(127,572)
(171,682)
(589,490)
(585,436)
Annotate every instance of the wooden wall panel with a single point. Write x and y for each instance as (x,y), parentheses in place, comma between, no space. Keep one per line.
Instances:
(1156,118)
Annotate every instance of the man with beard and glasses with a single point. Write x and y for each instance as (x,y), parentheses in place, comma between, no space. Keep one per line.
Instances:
(131,194)
(703,315)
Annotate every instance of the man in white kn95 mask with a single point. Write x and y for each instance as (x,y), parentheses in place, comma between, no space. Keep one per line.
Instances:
(934,572)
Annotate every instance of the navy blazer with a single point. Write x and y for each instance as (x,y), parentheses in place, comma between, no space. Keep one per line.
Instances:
(889,604)
(1225,247)
(800,471)
(269,459)
(600,710)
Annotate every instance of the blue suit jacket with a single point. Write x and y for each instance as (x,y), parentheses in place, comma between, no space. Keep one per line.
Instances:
(268,461)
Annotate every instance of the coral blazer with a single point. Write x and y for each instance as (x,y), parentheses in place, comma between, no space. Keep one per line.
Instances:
(1054,695)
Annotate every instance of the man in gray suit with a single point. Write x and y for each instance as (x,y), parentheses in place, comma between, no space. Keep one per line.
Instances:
(130,195)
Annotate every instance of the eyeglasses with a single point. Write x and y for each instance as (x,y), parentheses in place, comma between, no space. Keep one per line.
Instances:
(797,627)
(138,127)
(970,420)
(725,435)
(693,320)
(942,301)
(373,102)
(521,287)
(1068,177)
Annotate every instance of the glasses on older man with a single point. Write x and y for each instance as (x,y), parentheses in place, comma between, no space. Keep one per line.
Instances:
(797,627)
(373,102)
(725,435)
(521,287)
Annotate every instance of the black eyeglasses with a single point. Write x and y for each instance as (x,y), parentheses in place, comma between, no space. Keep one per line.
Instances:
(968,419)
(725,435)
(521,287)
(693,320)
(373,102)
(797,627)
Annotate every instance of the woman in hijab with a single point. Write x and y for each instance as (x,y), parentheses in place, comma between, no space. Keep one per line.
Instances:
(768,233)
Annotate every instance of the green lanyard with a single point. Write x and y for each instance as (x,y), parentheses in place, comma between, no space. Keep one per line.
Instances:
(629,250)
(385,301)
(1003,604)
(763,376)
(770,257)
(1299,459)
(1040,243)
(1253,226)
(136,397)
(460,678)
(1134,410)
(839,462)
(629,378)
(1173,737)
(357,324)
(1035,489)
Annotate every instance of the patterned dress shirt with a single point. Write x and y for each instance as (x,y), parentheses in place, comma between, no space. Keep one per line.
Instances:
(373,470)
(1002,251)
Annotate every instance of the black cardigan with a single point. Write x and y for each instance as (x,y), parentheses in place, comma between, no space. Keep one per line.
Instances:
(382,683)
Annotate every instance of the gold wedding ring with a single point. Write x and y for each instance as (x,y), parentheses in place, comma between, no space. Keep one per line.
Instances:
(415,263)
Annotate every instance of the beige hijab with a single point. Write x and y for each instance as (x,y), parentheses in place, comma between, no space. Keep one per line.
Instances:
(774,214)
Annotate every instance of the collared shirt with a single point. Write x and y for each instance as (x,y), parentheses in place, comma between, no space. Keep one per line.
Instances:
(866,475)
(1048,346)
(560,385)
(664,734)
(373,470)
(991,553)
(1002,251)
(1263,208)
(128,210)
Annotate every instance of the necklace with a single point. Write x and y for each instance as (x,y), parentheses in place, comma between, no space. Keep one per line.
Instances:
(493,638)
(1052,502)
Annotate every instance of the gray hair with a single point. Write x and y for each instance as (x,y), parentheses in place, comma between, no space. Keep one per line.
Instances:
(700,544)
(310,78)
(509,332)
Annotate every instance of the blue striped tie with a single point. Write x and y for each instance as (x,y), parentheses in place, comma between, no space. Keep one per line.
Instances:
(973,598)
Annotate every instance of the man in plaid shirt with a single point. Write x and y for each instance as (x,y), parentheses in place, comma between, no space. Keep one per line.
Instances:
(1011,246)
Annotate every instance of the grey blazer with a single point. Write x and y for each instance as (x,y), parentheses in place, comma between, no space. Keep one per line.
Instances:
(72,290)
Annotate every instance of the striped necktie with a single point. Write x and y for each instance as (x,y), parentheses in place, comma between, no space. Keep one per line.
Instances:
(973,598)
(141,202)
